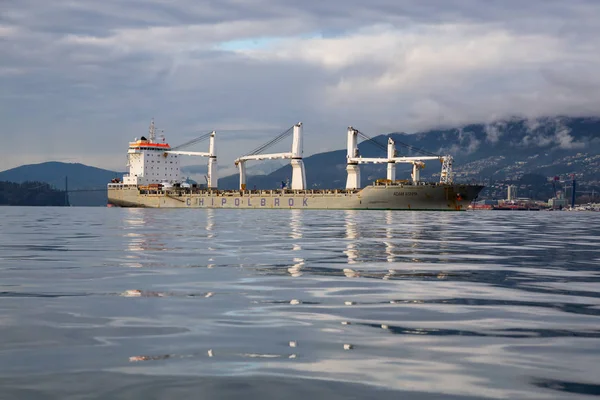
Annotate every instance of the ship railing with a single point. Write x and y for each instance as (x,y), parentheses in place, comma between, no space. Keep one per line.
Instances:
(254,192)
(257,192)
(402,183)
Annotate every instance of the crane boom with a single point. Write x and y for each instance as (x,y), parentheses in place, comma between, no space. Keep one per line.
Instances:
(298,173)
(193,141)
(212,177)
(353,161)
(258,157)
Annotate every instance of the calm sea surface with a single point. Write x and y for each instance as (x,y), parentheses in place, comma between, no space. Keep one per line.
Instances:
(139,303)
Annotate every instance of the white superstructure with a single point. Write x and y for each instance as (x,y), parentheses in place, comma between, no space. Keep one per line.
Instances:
(149,162)
(152,162)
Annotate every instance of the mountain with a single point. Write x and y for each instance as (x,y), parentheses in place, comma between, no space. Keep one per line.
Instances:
(87,185)
(503,151)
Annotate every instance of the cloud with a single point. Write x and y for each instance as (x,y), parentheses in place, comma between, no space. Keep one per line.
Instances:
(86,75)
(494,131)
(544,132)
(466,143)
(7,31)
(427,48)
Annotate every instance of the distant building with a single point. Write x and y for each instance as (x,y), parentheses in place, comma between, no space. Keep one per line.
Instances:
(557,203)
(512,192)
(487,203)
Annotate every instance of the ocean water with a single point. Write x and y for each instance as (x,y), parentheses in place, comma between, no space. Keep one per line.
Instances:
(271,304)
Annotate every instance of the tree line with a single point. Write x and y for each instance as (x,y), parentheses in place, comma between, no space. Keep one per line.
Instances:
(30,194)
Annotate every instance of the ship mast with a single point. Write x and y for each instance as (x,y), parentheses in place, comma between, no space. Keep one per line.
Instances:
(212,177)
(298,173)
(152,132)
(354,159)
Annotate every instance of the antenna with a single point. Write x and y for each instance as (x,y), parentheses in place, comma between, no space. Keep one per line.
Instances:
(151,132)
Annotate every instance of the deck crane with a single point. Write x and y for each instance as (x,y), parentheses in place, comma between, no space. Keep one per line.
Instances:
(212,175)
(298,172)
(354,159)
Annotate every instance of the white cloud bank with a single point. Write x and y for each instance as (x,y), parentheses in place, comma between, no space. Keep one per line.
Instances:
(81,79)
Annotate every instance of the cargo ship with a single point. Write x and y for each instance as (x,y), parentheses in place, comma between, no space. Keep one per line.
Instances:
(154,180)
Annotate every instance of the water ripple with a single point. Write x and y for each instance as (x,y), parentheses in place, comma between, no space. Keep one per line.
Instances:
(464,305)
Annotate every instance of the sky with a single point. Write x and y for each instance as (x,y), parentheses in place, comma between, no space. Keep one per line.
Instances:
(79,79)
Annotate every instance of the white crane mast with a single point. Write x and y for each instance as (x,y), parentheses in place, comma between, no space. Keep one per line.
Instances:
(298,172)
(353,161)
(353,180)
(391,165)
(212,177)
(447,175)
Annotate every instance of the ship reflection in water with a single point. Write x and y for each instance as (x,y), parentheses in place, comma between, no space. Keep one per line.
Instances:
(298,304)
(142,236)
(296,227)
